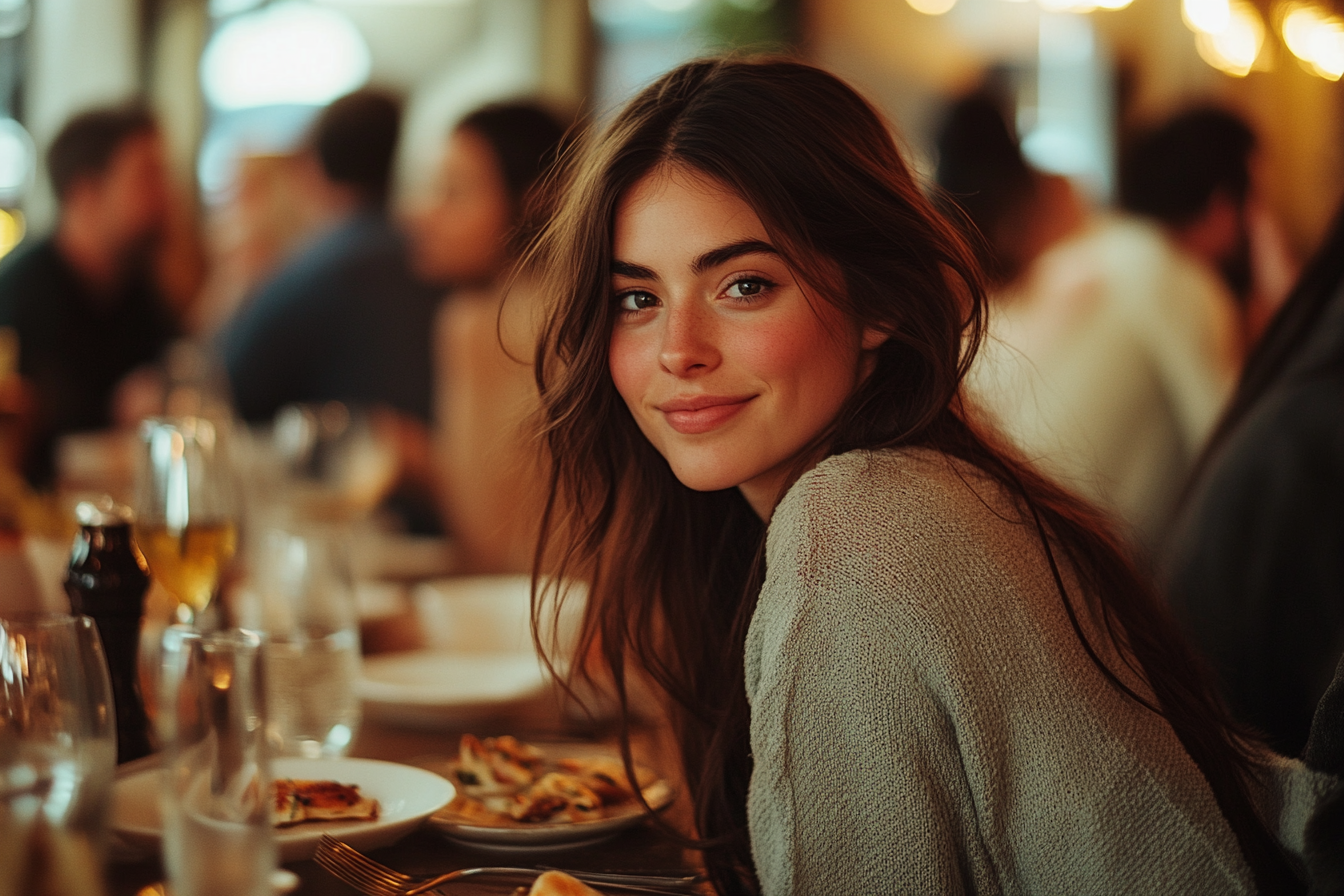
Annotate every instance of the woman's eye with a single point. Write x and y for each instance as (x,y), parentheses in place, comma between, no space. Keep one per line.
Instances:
(636,301)
(747,288)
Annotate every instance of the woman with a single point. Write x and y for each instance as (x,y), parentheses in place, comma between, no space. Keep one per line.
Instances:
(897,660)
(489,181)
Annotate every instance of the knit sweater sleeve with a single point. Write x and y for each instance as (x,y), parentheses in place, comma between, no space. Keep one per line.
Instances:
(857,785)
(925,720)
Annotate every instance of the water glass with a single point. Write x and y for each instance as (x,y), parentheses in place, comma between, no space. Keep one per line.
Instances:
(217,834)
(307,610)
(58,742)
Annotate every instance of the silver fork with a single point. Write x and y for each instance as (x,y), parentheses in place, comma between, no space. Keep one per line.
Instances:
(364,874)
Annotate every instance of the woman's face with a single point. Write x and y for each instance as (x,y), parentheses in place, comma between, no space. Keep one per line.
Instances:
(726,366)
(461,234)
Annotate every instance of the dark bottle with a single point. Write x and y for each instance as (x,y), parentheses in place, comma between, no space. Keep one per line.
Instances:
(107,580)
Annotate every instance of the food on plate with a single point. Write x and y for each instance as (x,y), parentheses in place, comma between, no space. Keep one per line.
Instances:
(496,764)
(558,883)
(297,801)
(556,797)
(607,777)
(502,780)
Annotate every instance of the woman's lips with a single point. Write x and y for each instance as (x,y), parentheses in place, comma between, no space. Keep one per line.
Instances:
(691,416)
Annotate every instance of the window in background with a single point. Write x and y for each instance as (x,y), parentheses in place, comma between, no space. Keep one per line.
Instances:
(642,39)
(265,72)
(17,153)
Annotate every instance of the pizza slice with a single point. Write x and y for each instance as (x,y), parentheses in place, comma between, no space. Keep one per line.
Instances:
(298,801)
(556,797)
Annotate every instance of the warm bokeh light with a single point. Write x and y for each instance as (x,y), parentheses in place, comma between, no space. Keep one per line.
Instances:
(1316,38)
(1207,16)
(287,52)
(1082,5)
(12,227)
(1234,49)
(932,7)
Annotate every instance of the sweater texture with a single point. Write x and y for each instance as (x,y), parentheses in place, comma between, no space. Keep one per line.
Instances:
(925,720)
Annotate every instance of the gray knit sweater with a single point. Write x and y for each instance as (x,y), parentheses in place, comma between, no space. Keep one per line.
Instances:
(924,719)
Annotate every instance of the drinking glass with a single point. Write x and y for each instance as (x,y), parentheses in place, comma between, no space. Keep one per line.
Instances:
(217,836)
(307,609)
(185,515)
(58,742)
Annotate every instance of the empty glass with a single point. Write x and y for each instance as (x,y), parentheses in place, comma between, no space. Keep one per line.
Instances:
(307,609)
(217,836)
(58,743)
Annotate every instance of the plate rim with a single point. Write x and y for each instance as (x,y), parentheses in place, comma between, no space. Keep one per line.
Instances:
(412,701)
(297,833)
(559,833)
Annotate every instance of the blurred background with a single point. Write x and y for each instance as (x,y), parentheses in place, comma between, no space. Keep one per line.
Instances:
(236,82)
(238,246)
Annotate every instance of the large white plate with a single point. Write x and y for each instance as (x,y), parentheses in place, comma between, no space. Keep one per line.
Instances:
(436,688)
(519,836)
(407,795)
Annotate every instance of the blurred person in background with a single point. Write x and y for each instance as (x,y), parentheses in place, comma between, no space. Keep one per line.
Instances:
(346,318)
(84,301)
(487,202)
(1110,353)
(1195,175)
(1255,569)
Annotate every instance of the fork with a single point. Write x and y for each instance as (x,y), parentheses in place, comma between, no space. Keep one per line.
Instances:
(364,874)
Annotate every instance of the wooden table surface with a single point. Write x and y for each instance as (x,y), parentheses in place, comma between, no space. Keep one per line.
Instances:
(426,852)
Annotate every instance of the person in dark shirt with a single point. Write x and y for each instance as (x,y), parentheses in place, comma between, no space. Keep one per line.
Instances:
(83,300)
(346,319)
(1255,569)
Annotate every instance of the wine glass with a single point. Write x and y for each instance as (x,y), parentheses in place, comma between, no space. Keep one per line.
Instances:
(185,521)
(58,744)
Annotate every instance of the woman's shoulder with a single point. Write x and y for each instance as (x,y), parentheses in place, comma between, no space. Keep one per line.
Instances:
(910,520)
(890,490)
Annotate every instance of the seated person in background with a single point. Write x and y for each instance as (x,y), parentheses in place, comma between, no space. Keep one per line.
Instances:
(489,193)
(84,300)
(346,319)
(1255,568)
(1110,352)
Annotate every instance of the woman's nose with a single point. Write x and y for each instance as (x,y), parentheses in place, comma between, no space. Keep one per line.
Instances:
(689,345)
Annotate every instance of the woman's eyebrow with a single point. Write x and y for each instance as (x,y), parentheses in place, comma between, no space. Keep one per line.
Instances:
(634,271)
(716,257)
(702,263)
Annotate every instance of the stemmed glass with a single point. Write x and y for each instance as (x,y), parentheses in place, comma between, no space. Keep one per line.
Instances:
(58,744)
(185,518)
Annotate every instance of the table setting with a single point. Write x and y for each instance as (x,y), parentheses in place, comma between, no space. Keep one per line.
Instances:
(245,740)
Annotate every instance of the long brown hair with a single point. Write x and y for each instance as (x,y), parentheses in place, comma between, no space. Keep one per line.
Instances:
(674,573)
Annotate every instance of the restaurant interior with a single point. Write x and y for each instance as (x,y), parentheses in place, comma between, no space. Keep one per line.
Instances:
(307,534)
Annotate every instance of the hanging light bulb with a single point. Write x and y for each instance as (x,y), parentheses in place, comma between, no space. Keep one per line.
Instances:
(1207,16)
(1316,38)
(1235,48)
(932,7)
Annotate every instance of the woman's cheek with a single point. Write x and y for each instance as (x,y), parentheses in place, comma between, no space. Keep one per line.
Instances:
(628,359)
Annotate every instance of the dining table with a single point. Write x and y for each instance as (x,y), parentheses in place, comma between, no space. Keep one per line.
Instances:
(426,852)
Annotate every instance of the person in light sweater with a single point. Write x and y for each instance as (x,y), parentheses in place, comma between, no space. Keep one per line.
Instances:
(896,658)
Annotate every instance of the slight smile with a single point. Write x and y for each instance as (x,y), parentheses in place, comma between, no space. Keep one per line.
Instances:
(701,413)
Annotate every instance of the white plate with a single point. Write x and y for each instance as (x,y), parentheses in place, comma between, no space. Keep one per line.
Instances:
(407,796)
(436,688)
(520,836)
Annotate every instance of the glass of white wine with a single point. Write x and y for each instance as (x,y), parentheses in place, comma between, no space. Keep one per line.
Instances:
(185,511)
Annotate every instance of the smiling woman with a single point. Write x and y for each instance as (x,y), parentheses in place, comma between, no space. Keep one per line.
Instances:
(728,368)
(896,658)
